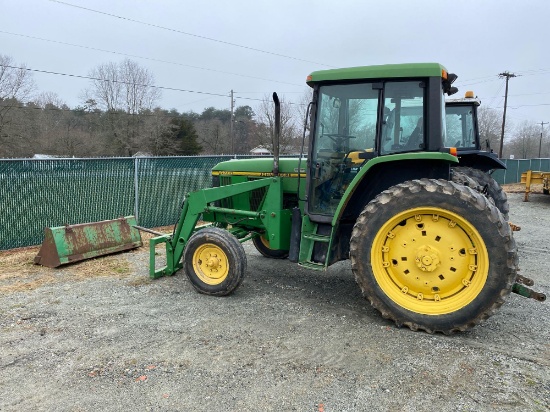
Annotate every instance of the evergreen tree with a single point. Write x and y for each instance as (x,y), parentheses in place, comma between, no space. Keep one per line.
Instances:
(185,137)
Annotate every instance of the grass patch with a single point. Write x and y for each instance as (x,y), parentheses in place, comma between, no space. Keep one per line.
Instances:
(19,273)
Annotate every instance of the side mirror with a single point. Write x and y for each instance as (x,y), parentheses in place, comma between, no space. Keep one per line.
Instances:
(452,90)
(451,77)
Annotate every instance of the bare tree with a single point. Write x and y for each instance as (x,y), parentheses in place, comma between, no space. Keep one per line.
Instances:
(124,91)
(15,80)
(213,136)
(490,124)
(45,99)
(525,143)
(289,138)
(16,86)
(303,113)
(126,87)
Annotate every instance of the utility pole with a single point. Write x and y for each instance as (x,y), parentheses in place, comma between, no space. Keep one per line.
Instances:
(502,75)
(541,130)
(231,124)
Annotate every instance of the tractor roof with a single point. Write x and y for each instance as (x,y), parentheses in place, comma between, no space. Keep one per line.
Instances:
(467,99)
(384,71)
(474,101)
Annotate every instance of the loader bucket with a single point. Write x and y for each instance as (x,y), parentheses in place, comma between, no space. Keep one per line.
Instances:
(72,243)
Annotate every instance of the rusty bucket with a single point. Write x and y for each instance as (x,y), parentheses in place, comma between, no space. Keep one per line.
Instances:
(72,243)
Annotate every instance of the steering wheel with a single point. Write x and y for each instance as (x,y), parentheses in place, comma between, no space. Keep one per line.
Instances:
(334,136)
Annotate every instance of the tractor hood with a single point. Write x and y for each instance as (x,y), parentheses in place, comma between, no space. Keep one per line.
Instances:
(288,167)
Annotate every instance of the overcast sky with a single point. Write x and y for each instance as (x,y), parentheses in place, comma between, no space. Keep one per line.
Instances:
(257,47)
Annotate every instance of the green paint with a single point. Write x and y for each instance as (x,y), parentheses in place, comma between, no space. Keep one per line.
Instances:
(67,244)
(386,71)
(443,157)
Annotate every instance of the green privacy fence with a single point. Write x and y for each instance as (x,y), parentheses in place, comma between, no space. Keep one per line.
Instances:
(515,167)
(39,193)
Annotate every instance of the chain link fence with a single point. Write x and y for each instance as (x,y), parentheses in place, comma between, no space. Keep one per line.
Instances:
(39,193)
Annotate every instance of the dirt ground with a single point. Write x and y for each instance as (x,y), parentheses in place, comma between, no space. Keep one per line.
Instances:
(100,335)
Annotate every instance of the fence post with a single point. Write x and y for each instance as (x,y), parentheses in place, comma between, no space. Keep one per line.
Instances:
(136,190)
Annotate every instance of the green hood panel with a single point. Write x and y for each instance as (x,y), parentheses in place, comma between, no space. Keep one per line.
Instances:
(288,167)
(245,169)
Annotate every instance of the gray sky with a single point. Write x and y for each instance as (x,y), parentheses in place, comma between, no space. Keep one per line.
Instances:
(477,40)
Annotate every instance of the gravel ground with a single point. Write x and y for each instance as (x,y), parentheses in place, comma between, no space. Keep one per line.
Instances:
(288,339)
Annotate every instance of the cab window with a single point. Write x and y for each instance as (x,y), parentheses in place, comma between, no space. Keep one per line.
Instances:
(403,124)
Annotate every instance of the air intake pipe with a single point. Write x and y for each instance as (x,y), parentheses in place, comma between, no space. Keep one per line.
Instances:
(276,135)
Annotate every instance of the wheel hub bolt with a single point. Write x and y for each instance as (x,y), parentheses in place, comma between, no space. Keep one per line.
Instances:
(427,258)
(213,262)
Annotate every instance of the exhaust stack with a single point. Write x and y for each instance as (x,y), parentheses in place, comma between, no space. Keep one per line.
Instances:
(276,135)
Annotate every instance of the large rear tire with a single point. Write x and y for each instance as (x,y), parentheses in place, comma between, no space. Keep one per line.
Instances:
(486,185)
(433,255)
(214,261)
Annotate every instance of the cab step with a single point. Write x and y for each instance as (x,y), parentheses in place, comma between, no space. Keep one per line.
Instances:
(312,265)
(317,238)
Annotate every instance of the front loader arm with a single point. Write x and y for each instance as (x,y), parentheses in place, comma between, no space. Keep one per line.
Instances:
(194,205)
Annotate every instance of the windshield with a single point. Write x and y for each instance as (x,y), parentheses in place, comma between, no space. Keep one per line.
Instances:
(460,126)
(347,118)
(346,127)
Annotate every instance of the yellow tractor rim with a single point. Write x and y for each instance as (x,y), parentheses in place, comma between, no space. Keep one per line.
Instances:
(211,264)
(264,241)
(430,261)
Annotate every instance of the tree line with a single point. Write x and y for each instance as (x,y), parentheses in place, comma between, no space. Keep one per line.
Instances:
(119,116)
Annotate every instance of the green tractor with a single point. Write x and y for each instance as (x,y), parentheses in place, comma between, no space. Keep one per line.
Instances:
(375,187)
(476,164)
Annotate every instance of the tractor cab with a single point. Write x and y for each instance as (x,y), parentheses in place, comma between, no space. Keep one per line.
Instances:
(461,118)
(363,113)
(463,134)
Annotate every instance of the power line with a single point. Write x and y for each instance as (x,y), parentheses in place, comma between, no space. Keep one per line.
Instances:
(528,94)
(529,72)
(480,82)
(533,72)
(529,105)
(145,58)
(478,78)
(136,84)
(122,82)
(188,34)
(496,94)
(517,107)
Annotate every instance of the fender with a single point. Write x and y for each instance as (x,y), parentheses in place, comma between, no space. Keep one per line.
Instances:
(480,160)
(395,160)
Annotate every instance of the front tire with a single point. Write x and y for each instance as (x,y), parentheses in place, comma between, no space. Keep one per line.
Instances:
(433,255)
(214,261)
(262,245)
